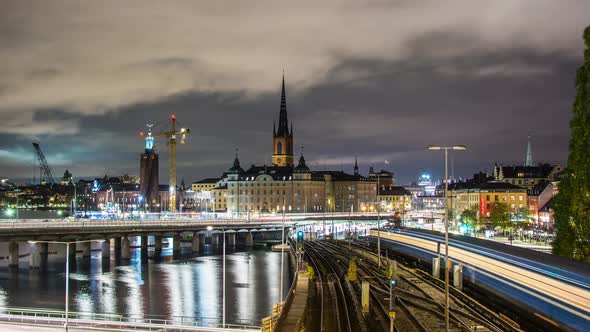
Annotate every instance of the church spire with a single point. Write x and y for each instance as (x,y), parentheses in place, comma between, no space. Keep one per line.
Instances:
(356,166)
(283,122)
(529,153)
(236,168)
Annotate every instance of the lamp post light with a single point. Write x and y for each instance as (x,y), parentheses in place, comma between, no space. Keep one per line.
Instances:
(67,308)
(447,262)
(210,228)
(16,207)
(282,249)
(378,233)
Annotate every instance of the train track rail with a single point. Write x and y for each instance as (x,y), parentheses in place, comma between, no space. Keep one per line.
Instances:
(338,318)
(417,298)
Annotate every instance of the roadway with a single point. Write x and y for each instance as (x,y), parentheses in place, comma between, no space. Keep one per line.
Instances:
(98,228)
(557,289)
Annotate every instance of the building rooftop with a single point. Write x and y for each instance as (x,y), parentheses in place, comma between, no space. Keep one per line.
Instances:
(394,191)
(207,180)
(491,185)
(540,171)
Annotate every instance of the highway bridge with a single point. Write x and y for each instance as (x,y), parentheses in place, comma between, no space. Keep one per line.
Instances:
(553,290)
(36,234)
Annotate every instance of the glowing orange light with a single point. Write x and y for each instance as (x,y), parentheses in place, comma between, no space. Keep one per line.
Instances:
(173,117)
(141,133)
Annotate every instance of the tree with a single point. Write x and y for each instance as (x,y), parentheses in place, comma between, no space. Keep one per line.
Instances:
(469,218)
(500,215)
(310,272)
(572,204)
(351,275)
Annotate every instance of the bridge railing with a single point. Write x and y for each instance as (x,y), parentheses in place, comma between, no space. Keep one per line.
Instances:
(111,320)
(131,223)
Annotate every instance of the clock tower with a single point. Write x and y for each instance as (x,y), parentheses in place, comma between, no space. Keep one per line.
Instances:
(282,138)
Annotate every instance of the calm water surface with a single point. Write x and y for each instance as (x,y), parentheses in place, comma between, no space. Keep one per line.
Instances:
(189,287)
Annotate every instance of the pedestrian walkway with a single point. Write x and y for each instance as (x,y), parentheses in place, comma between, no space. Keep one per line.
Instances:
(297,308)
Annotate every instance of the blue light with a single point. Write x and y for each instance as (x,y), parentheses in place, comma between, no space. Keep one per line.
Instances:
(149,143)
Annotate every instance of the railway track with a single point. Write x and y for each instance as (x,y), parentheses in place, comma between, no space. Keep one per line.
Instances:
(334,316)
(418,299)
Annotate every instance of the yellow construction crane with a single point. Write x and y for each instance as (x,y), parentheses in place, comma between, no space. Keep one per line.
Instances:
(171,138)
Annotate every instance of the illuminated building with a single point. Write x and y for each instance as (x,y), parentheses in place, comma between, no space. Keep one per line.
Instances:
(482,196)
(148,175)
(284,186)
(395,198)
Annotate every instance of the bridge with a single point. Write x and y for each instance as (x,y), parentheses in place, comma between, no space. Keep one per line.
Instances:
(118,232)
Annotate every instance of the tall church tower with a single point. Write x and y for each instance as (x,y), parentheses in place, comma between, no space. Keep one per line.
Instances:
(282,138)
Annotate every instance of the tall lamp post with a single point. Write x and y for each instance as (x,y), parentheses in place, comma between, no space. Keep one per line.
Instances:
(67,309)
(447,262)
(16,207)
(282,249)
(210,228)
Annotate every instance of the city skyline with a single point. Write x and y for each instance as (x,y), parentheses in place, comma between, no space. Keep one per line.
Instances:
(76,81)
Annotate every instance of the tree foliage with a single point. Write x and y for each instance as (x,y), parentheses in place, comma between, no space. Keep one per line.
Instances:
(500,215)
(469,217)
(351,275)
(572,204)
(523,215)
(310,272)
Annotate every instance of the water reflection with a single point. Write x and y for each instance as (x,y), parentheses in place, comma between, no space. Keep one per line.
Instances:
(189,288)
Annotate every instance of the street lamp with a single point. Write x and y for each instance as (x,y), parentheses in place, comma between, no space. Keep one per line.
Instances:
(67,311)
(210,228)
(16,207)
(447,263)
(282,249)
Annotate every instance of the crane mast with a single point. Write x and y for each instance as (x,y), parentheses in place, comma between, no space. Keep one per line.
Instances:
(171,137)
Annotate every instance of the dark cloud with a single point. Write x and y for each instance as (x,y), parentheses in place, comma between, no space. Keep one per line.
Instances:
(379,81)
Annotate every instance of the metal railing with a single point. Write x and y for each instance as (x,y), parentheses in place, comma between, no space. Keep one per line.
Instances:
(114,223)
(116,321)
(286,305)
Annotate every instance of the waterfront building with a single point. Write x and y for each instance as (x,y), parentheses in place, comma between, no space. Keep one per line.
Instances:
(149,176)
(284,186)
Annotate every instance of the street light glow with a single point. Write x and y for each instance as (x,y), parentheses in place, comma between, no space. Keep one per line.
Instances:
(9,212)
(439,147)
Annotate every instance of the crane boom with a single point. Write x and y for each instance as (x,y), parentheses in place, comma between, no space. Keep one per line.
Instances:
(43,164)
(171,138)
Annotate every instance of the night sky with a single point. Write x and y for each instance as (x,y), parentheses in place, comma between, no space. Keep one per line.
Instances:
(380,80)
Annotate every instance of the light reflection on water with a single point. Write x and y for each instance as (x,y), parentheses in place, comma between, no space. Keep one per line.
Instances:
(190,287)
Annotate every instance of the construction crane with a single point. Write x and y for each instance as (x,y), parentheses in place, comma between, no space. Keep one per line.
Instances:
(171,138)
(45,170)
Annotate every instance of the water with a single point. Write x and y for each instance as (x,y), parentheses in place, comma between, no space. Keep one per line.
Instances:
(188,288)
